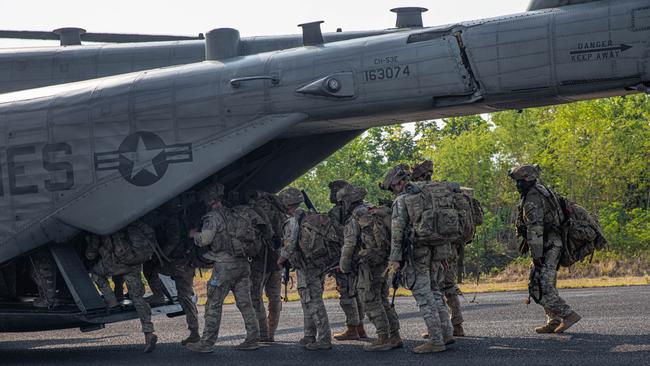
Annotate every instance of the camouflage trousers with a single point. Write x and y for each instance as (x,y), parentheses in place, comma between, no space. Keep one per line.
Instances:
(183,275)
(545,281)
(43,273)
(310,289)
(373,292)
(229,276)
(451,289)
(352,306)
(424,276)
(266,279)
(131,276)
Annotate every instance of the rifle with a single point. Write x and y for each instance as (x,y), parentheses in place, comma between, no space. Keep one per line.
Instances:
(308,202)
(460,271)
(329,269)
(286,277)
(397,279)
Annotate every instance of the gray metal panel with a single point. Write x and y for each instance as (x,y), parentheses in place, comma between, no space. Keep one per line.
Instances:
(545,4)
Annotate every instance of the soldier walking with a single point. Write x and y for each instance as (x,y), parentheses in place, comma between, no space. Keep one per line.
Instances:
(538,224)
(424,269)
(231,272)
(350,303)
(365,251)
(318,335)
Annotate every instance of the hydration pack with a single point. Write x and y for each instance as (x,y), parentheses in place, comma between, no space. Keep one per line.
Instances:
(375,225)
(245,228)
(320,240)
(134,245)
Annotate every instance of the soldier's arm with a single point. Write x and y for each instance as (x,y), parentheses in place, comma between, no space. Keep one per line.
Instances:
(290,238)
(212,224)
(350,240)
(533,216)
(399,222)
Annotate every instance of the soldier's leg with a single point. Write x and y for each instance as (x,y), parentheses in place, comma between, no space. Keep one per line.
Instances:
(100,278)
(257,281)
(151,270)
(349,305)
(551,300)
(371,294)
(273,289)
(218,288)
(118,282)
(242,291)
(419,276)
(451,290)
(43,272)
(136,291)
(183,276)
(437,278)
(309,324)
(318,313)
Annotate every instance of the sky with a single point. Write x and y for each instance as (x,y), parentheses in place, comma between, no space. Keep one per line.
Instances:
(250,17)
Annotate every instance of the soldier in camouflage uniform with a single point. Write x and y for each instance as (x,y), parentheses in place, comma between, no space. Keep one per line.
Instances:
(102,249)
(266,277)
(43,272)
(366,254)
(538,223)
(422,270)
(318,335)
(350,303)
(231,272)
(423,172)
(172,236)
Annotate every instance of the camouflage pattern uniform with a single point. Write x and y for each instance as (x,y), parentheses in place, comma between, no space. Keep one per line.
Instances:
(422,272)
(229,273)
(538,222)
(266,277)
(372,284)
(43,272)
(346,285)
(318,334)
(102,248)
(175,247)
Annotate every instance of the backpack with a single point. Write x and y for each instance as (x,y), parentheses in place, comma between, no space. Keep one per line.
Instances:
(244,227)
(440,214)
(320,241)
(477,211)
(375,225)
(582,234)
(134,245)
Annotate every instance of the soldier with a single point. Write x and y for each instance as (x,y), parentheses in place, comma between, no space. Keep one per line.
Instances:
(265,275)
(365,250)
(346,282)
(231,272)
(423,270)
(176,248)
(43,273)
(318,335)
(423,173)
(538,224)
(119,254)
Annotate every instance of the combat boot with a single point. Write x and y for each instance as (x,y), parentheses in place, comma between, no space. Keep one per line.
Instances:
(362,331)
(155,300)
(548,328)
(396,340)
(383,343)
(193,338)
(307,340)
(319,345)
(150,341)
(200,347)
(429,348)
(568,322)
(350,334)
(459,331)
(272,324)
(248,346)
(449,340)
(425,335)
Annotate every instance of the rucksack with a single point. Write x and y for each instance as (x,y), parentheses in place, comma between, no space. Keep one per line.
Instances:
(245,228)
(582,234)
(134,245)
(320,240)
(440,214)
(375,225)
(477,211)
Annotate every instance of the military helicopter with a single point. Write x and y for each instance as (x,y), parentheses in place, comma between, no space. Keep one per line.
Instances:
(95,155)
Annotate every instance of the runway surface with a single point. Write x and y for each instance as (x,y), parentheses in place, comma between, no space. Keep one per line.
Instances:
(615,330)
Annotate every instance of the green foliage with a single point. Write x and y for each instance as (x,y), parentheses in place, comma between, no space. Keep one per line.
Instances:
(597,153)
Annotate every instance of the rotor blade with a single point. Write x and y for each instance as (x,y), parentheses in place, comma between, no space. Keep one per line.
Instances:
(28,35)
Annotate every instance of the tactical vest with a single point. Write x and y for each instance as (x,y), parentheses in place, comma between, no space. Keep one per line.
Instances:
(439,213)
(320,240)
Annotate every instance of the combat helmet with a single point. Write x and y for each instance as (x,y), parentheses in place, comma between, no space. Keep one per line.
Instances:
(214,191)
(291,197)
(422,172)
(527,172)
(394,176)
(350,194)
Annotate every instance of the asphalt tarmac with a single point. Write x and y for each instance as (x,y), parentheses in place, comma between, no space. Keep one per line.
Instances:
(615,330)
